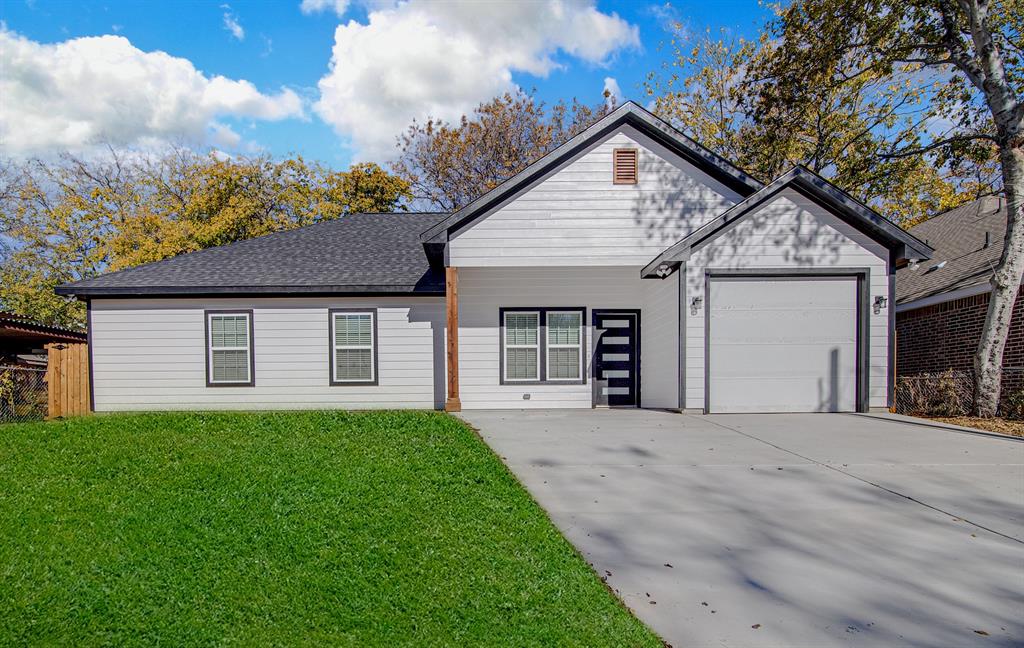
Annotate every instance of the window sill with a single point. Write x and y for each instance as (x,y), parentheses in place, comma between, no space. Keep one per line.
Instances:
(513,383)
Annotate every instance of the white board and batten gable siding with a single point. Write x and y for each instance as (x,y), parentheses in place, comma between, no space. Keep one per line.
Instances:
(150,354)
(576,216)
(789,232)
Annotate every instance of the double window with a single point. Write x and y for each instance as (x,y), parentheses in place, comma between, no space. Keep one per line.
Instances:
(353,346)
(229,352)
(542,345)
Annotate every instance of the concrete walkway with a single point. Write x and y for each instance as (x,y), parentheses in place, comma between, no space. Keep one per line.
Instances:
(784,530)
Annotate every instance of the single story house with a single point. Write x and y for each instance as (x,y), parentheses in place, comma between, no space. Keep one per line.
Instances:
(941,305)
(630,267)
(23,340)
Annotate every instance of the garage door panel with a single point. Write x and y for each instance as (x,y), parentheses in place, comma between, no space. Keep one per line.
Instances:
(782,344)
(788,394)
(771,361)
(799,328)
(786,292)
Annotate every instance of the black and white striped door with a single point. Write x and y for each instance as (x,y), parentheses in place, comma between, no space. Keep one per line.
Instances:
(616,358)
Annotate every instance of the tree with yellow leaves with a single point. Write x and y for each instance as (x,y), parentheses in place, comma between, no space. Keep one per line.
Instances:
(73,218)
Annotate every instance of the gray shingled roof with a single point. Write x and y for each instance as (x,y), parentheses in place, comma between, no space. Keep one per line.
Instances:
(958,237)
(359,253)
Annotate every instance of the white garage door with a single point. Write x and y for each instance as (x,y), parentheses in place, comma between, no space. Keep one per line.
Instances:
(782,344)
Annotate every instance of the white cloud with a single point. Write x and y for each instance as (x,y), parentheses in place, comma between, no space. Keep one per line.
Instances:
(222,135)
(231,23)
(420,58)
(611,86)
(339,7)
(102,89)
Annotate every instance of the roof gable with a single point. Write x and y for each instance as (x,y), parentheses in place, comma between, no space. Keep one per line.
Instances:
(815,188)
(577,215)
(630,114)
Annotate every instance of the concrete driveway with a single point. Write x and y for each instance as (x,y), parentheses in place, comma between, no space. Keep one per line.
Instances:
(784,530)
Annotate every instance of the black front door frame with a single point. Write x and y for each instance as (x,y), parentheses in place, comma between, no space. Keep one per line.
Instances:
(601,312)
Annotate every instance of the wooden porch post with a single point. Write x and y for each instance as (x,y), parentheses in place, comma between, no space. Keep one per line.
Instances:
(451,298)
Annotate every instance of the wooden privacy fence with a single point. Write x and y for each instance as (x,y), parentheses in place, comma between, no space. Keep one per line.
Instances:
(67,379)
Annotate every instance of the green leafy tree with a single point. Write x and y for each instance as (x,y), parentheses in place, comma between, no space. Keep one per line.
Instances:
(959,62)
(699,89)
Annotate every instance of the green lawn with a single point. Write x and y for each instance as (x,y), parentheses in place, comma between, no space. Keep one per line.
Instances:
(316,528)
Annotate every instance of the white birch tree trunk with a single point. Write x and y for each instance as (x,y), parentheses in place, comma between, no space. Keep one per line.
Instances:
(1006,282)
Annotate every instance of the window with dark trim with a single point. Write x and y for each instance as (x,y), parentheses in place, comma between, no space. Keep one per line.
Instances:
(229,348)
(625,166)
(564,354)
(542,345)
(522,345)
(353,346)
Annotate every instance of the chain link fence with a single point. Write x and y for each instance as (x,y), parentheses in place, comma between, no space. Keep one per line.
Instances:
(23,395)
(951,393)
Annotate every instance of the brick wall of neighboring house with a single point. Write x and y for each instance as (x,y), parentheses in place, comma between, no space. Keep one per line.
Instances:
(945,336)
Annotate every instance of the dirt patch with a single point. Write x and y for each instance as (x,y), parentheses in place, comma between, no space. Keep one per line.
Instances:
(1000,425)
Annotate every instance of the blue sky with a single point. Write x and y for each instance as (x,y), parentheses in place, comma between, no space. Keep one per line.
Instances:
(280,90)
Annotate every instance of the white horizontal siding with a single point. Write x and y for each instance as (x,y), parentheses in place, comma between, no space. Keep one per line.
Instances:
(791,232)
(483,291)
(150,354)
(575,216)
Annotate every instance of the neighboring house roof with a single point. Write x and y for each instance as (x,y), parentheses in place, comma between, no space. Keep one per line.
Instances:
(25,329)
(629,113)
(961,260)
(814,187)
(357,253)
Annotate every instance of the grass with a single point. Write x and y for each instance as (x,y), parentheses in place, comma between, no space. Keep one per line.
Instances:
(1000,425)
(283,529)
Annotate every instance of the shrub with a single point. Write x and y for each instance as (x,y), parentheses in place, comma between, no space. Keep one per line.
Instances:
(947,396)
(1014,406)
(943,394)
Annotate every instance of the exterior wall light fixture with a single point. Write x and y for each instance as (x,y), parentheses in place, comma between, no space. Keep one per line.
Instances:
(695,305)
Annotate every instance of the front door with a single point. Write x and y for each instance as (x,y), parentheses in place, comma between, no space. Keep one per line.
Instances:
(616,358)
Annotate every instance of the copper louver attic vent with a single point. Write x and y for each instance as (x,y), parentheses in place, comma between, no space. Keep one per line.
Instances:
(624,166)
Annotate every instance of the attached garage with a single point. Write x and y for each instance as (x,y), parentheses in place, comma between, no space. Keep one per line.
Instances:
(786,302)
(784,343)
